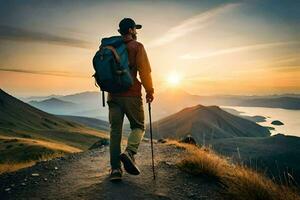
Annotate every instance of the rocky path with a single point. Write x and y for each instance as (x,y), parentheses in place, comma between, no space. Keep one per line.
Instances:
(85,176)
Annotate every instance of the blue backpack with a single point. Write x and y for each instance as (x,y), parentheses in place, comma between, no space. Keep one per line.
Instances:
(111,65)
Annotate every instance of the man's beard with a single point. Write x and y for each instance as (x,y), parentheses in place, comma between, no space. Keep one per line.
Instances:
(134,36)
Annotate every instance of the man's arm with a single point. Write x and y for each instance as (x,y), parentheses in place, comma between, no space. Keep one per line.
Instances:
(144,69)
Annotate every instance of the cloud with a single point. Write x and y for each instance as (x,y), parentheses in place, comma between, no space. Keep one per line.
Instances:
(19,34)
(237,49)
(51,73)
(189,25)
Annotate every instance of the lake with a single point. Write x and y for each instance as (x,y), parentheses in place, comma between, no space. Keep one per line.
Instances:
(290,118)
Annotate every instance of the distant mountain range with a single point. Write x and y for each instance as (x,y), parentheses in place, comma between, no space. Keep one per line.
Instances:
(280,102)
(85,104)
(89,104)
(39,98)
(206,123)
(55,106)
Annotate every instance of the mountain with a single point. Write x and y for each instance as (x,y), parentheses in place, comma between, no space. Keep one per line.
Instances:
(31,134)
(39,98)
(19,119)
(86,104)
(206,123)
(51,102)
(281,102)
(55,106)
(91,100)
(90,105)
(18,115)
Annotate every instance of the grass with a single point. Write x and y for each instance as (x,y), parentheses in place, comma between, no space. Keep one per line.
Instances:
(239,182)
(11,167)
(17,153)
(14,166)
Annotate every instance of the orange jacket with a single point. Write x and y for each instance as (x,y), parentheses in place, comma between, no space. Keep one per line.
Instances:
(138,61)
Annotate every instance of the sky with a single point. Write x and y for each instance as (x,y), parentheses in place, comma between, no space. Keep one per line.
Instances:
(211,46)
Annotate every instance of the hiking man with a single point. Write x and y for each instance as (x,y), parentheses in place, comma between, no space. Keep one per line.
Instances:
(129,103)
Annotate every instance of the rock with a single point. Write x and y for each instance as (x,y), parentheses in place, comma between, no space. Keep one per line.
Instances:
(189,140)
(100,143)
(167,163)
(35,174)
(160,194)
(161,140)
(277,123)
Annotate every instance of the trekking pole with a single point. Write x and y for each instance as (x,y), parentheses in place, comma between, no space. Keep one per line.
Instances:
(151,139)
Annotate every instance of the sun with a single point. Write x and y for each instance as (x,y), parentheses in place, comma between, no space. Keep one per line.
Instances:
(174,79)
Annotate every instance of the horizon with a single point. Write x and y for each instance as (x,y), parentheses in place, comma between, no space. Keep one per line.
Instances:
(92,91)
(238,47)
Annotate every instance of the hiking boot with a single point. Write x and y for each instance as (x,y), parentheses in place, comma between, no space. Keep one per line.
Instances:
(116,175)
(128,161)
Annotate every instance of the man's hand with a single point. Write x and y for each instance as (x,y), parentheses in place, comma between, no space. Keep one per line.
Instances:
(149,97)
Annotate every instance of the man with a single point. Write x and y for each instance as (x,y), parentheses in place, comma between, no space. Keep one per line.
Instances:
(129,103)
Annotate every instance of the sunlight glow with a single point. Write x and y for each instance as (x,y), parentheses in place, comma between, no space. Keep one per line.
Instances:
(174,79)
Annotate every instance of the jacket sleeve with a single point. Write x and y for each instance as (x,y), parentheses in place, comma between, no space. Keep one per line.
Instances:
(144,69)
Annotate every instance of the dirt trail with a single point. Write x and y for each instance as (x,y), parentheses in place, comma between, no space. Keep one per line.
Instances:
(85,176)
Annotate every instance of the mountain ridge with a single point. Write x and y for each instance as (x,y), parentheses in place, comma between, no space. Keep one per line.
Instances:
(206,123)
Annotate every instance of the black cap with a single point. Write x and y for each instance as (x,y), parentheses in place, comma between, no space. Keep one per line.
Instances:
(127,23)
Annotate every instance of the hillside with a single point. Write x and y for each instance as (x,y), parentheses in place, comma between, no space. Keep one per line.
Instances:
(17,115)
(274,155)
(206,123)
(18,119)
(28,126)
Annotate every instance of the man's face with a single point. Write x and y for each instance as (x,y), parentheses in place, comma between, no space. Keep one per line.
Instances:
(133,33)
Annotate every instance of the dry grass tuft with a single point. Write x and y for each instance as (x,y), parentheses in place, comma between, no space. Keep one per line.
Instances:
(11,167)
(14,166)
(239,182)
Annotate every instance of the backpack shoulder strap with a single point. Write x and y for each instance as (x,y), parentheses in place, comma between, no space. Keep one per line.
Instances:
(114,52)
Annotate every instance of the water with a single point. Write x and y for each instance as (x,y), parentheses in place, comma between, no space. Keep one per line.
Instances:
(290,118)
